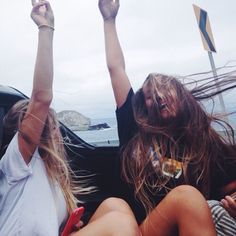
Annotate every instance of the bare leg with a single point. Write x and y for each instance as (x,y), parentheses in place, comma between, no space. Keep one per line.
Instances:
(184,211)
(112,204)
(112,218)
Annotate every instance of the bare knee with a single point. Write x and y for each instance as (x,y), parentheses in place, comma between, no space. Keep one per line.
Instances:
(181,204)
(113,223)
(183,189)
(112,201)
(186,198)
(116,204)
(122,224)
(185,192)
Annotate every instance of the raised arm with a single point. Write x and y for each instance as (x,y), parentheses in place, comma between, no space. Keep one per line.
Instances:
(32,125)
(114,54)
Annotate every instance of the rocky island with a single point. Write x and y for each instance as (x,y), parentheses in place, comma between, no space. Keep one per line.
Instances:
(99,126)
(78,122)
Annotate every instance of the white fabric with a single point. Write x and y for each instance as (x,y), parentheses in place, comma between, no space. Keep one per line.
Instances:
(29,203)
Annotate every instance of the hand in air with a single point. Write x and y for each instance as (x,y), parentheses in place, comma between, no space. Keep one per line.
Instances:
(229,203)
(108,8)
(42,13)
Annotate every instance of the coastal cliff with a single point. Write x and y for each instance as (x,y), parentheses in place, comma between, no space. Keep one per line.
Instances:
(78,122)
(74,120)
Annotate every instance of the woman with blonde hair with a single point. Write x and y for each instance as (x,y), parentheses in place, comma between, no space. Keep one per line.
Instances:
(37,193)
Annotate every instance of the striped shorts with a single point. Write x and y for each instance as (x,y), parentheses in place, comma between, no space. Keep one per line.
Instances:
(224,223)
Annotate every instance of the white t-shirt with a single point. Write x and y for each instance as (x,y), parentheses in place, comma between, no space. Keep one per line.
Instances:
(29,203)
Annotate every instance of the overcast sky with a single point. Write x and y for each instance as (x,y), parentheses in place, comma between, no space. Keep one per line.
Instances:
(156,36)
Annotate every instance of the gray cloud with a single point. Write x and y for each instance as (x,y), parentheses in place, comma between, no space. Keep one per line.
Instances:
(156,35)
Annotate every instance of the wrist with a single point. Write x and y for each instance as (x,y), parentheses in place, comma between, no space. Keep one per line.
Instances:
(45,26)
(109,20)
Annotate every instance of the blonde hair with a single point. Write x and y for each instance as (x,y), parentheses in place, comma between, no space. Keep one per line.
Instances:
(51,150)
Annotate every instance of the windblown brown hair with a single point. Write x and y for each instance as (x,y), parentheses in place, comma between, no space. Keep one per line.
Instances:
(188,135)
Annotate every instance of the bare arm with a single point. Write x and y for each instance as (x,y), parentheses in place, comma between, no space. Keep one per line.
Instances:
(34,120)
(114,55)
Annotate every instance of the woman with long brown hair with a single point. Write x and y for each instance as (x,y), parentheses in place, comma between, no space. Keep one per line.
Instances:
(166,136)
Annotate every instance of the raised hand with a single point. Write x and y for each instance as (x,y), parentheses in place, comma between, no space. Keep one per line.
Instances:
(108,8)
(42,13)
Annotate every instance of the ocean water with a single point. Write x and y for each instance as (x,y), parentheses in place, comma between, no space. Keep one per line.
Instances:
(109,136)
(102,137)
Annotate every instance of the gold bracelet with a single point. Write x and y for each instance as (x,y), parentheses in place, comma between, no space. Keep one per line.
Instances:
(44,25)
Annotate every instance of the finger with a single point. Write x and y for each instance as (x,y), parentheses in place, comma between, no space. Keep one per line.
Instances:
(231,202)
(43,3)
(100,2)
(224,203)
(226,206)
(48,6)
(233,196)
(78,225)
(116,1)
(33,2)
(81,223)
(38,5)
